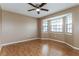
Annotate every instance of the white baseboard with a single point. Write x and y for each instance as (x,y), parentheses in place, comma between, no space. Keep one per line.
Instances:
(1,45)
(18,42)
(61,42)
(41,39)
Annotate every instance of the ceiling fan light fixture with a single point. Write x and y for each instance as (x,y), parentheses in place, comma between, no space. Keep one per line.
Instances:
(37,9)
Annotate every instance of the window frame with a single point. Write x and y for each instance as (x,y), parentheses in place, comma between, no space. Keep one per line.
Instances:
(52,25)
(66,24)
(64,30)
(44,26)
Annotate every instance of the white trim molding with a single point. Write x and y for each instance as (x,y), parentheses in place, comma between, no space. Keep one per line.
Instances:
(17,42)
(61,42)
(41,39)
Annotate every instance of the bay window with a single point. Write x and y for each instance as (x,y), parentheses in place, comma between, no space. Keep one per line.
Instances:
(56,24)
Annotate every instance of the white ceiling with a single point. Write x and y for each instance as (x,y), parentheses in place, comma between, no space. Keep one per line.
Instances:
(22,8)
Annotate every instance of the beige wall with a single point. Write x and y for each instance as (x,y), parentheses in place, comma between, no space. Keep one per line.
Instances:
(17,27)
(0,19)
(0,24)
(71,39)
(76,27)
(39,27)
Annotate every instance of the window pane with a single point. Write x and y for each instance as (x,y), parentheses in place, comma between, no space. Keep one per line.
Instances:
(45,26)
(56,25)
(68,23)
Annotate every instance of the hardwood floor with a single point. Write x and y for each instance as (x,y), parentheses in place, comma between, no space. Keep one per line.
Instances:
(38,48)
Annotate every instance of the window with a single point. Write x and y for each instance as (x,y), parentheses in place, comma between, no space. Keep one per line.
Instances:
(45,26)
(56,25)
(61,23)
(68,24)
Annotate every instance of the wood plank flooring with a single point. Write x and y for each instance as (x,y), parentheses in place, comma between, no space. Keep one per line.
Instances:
(38,48)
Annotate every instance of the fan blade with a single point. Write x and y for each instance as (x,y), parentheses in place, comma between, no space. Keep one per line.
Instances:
(32,5)
(31,9)
(42,4)
(44,9)
(38,12)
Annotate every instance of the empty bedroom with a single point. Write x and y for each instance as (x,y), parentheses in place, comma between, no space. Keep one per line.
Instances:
(39,29)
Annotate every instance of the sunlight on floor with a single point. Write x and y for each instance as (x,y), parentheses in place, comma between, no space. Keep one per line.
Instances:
(45,49)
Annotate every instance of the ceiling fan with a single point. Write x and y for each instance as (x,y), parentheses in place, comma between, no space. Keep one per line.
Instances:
(38,7)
